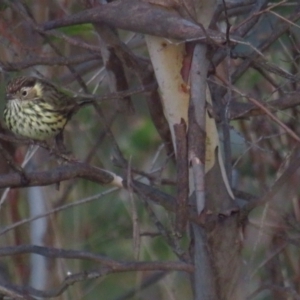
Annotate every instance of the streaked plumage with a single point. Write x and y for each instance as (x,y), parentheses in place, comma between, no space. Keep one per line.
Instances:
(36,109)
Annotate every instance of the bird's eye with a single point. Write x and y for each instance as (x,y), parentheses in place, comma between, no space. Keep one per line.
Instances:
(24,93)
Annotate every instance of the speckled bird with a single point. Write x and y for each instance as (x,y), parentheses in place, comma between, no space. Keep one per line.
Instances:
(36,109)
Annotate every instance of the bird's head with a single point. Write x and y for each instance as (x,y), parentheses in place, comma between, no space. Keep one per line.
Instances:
(24,88)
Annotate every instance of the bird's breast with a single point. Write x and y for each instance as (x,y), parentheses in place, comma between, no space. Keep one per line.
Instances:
(33,119)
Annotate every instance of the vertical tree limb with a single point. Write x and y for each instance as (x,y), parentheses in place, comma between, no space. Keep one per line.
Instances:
(182,177)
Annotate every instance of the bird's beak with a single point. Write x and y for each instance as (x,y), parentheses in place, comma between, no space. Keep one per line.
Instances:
(9,97)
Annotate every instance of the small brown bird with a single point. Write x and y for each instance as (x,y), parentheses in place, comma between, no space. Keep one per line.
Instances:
(36,109)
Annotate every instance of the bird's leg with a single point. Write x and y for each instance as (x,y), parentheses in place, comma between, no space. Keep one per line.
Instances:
(59,143)
(62,150)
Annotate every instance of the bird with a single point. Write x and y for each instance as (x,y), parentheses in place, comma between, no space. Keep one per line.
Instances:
(38,110)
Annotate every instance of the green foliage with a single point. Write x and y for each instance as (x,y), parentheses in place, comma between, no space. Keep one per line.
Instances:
(85,30)
(143,137)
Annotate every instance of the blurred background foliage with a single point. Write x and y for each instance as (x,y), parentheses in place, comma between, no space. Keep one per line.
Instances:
(104,225)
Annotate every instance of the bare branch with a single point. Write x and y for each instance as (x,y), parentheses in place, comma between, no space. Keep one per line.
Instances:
(149,19)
